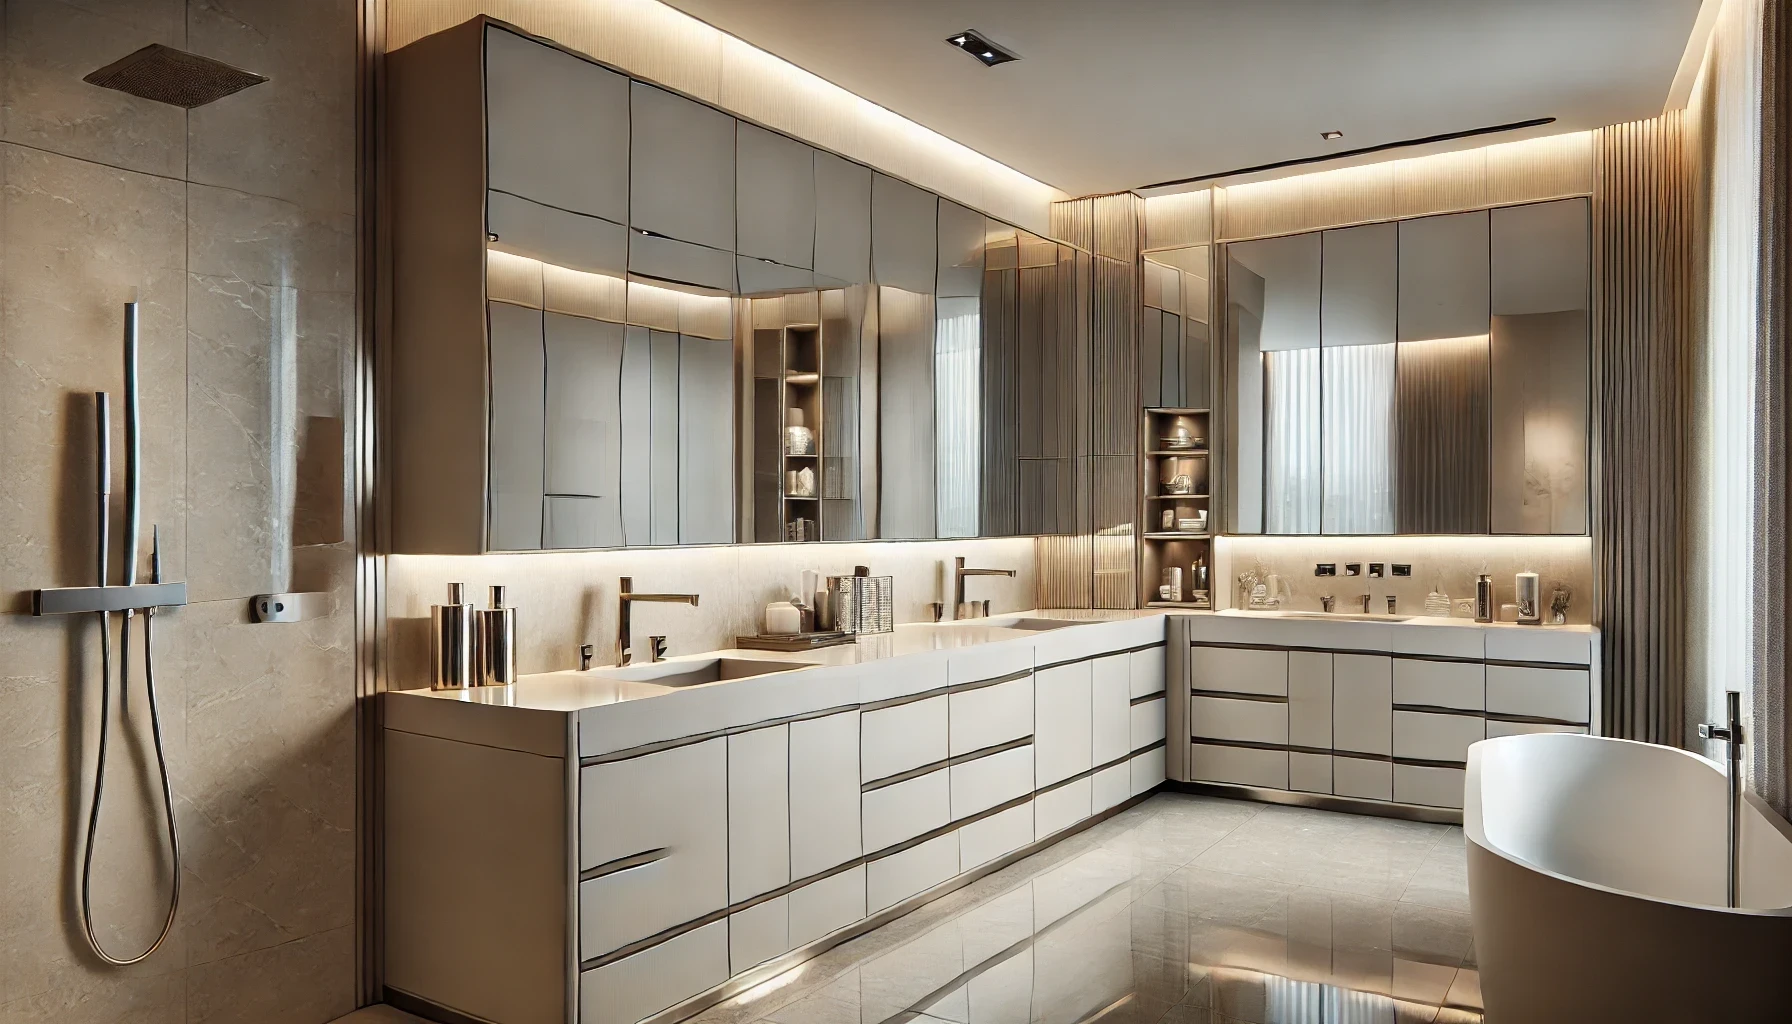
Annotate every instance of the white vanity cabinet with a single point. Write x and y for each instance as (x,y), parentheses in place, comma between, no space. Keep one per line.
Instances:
(1376,711)
(824,793)
(1063,736)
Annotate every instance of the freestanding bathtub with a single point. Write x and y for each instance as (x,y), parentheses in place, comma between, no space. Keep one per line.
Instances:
(1597,884)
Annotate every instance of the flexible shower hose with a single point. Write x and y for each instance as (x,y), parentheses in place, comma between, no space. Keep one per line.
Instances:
(99,778)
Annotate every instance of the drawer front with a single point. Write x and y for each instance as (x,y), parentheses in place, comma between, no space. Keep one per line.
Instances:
(894,814)
(824,793)
(988,781)
(1242,766)
(986,839)
(1310,773)
(1362,778)
(898,739)
(1146,672)
(1227,718)
(1563,694)
(1363,703)
(1497,728)
(1428,737)
(1147,770)
(758,933)
(1310,699)
(827,905)
(758,812)
(670,807)
(1148,723)
(895,878)
(1440,684)
(1110,787)
(659,976)
(1433,787)
(1236,670)
(1063,734)
(989,715)
(1549,645)
(1111,714)
(1058,809)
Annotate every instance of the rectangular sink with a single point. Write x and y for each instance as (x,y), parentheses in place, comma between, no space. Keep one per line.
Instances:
(698,671)
(1024,622)
(1346,616)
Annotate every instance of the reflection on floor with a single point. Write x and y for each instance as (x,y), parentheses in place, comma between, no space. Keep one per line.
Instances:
(1182,910)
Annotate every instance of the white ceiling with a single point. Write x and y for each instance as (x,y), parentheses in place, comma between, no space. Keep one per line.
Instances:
(1116,94)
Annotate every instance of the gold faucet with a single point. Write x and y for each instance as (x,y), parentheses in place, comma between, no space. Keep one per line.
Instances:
(959,572)
(625,599)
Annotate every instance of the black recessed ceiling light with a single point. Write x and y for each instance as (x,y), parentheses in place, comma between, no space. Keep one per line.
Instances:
(1328,136)
(972,42)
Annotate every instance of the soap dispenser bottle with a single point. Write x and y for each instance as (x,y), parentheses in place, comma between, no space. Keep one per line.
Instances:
(451,664)
(1484,598)
(497,642)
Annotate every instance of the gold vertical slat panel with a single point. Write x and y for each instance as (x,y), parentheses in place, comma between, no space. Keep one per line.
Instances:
(1064,573)
(1179,219)
(1115,492)
(1552,167)
(1074,221)
(1643,268)
(1114,354)
(1118,220)
(1440,183)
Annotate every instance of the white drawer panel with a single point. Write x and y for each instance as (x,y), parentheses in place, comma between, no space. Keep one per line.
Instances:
(986,839)
(1110,787)
(659,976)
(1058,809)
(1063,736)
(1310,773)
(758,933)
(1244,766)
(1310,699)
(907,736)
(1428,737)
(824,793)
(981,784)
(826,906)
(893,814)
(1440,684)
(1110,717)
(1237,670)
(1530,643)
(989,715)
(758,812)
(1147,770)
(1363,703)
(989,661)
(1148,722)
(899,677)
(1360,777)
(1434,787)
(1227,718)
(1559,693)
(1146,671)
(895,878)
(1496,728)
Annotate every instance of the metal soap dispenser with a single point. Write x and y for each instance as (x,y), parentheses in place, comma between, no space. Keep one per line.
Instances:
(451,665)
(497,642)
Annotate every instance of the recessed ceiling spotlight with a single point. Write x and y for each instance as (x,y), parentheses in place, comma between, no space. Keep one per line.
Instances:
(1328,136)
(973,43)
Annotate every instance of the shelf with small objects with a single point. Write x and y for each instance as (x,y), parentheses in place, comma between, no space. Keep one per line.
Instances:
(1176,509)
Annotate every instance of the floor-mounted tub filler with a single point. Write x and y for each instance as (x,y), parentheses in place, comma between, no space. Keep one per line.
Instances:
(1597,873)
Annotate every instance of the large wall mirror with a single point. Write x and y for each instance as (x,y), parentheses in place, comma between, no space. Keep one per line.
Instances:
(702,331)
(1429,376)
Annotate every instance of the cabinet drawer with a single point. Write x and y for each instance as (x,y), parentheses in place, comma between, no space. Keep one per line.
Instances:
(824,793)
(1237,670)
(827,905)
(647,982)
(1363,778)
(1310,699)
(1146,671)
(1147,770)
(1434,787)
(1063,734)
(895,878)
(1244,766)
(1440,684)
(1111,714)
(989,715)
(758,933)
(1310,773)
(894,814)
(1363,703)
(1428,737)
(1148,723)
(1563,694)
(1109,787)
(1497,728)
(1058,809)
(907,736)
(997,835)
(981,784)
(669,808)
(1227,718)
(758,812)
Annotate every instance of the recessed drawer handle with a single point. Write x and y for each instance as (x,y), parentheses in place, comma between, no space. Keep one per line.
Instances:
(633,860)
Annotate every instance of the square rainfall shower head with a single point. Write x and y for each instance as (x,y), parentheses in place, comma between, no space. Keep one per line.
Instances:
(167,75)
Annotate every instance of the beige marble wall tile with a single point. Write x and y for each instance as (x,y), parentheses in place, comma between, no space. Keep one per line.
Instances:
(306,981)
(50,45)
(268,793)
(310,97)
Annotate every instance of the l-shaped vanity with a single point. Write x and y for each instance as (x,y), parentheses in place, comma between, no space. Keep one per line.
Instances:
(618,845)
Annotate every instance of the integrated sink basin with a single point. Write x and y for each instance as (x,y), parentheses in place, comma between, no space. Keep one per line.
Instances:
(697,671)
(1346,616)
(1022,622)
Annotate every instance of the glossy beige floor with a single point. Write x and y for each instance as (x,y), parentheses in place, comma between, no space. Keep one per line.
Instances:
(1182,910)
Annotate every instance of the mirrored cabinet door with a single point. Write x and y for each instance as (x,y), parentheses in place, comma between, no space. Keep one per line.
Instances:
(557,127)
(958,371)
(583,446)
(1273,323)
(518,374)
(775,193)
(681,169)
(1358,310)
(842,221)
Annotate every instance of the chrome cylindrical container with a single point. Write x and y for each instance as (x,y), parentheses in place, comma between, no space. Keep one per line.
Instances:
(497,642)
(451,664)
(1530,598)
(1484,598)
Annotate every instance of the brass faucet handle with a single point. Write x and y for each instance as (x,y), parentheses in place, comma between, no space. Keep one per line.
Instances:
(587,652)
(656,646)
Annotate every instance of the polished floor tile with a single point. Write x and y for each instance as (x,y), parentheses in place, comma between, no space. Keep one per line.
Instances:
(1181,910)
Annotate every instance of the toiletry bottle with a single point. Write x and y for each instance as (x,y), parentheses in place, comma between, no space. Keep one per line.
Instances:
(1530,598)
(451,665)
(1484,598)
(496,642)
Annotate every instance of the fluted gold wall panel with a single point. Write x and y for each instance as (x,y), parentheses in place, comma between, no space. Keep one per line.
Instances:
(1179,219)
(1511,172)
(653,41)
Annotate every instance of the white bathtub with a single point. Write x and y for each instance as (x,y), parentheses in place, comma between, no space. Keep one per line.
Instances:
(1596,880)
